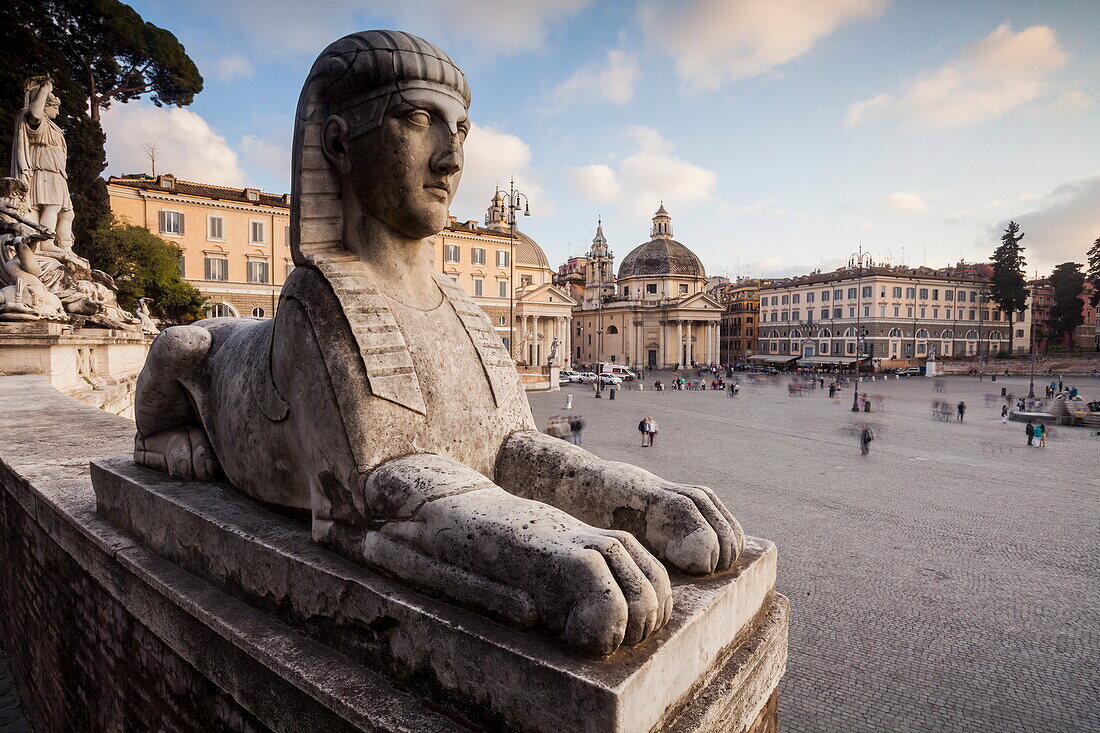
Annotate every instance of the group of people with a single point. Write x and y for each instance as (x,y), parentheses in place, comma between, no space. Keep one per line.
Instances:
(1058,390)
(1036,434)
(569,428)
(941,410)
(648,428)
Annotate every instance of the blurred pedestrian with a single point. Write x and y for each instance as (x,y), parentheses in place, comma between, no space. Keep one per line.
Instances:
(652,429)
(1041,431)
(643,428)
(576,427)
(1029,430)
(1004,414)
(866,435)
(962,410)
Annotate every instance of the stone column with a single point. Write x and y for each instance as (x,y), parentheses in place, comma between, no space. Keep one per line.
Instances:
(680,342)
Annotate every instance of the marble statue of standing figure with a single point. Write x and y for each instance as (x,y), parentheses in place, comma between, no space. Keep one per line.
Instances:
(38,158)
(381,403)
(23,293)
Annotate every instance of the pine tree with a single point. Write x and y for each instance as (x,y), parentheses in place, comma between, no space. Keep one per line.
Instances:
(1067,313)
(1007,286)
(1094,271)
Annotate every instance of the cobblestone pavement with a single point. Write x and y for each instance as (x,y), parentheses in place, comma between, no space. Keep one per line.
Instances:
(948,581)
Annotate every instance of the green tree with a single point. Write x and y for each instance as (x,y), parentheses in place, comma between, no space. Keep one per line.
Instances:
(1007,287)
(1067,312)
(97,52)
(1094,271)
(144,265)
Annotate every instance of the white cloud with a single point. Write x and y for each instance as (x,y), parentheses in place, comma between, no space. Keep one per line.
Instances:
(905,202)
(277,28)
(612,81)
(271,157)
(1067,104)
(492,158)
(646,176)
(988,80)
(226,68)
(725,209)
(188,147)
(1060,227)
(595,182)
(713,41)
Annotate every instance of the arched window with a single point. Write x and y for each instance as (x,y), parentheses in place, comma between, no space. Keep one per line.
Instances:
(922,334)
(221,310)
(995,336)
(611,330)
(773,335)
(824,333)
(850,333)
(972,334)
(947,334)
(895,333)
(258,313)
(796,334)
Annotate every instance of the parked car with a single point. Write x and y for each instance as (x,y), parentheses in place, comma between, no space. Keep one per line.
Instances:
(568,375)
(610,379)
(587,377)
(911,372)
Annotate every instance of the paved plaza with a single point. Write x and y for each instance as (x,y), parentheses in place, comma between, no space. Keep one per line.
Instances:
(948,581)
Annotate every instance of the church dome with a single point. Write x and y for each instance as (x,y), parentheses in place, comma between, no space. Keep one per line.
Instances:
(661,255)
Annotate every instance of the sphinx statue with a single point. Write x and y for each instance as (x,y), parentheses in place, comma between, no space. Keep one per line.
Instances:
(380,404)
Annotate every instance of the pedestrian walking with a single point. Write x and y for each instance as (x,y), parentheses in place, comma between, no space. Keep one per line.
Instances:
(1029,430)
(866,435)
(1041,430)
(652,429)
(962,410)
(736,388)
(1004,414)
(576,427)
(643,428)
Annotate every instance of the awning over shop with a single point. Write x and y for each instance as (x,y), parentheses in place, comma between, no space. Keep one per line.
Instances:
(827,360)
(772,358)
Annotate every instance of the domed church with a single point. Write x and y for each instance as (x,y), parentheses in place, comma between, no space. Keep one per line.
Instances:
(654,313)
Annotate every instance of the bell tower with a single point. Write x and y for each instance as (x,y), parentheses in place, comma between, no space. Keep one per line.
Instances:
(599,278)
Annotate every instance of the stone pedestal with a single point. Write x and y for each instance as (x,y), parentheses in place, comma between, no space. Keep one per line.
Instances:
(97,366)
(715,666)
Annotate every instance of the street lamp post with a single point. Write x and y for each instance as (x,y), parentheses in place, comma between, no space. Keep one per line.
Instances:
(513,203)
(858,259)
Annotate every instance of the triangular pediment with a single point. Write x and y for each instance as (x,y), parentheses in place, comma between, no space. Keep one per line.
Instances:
(700,301)
(547,293)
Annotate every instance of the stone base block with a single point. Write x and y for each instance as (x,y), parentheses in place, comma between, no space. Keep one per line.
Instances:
(715,665)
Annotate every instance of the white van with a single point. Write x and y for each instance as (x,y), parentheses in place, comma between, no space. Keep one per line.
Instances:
(618,371)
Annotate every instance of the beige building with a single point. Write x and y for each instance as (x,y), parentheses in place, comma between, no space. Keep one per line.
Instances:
(741,299)
(235,245)
(480,259)
(654,313)
(902,313)
(235,241)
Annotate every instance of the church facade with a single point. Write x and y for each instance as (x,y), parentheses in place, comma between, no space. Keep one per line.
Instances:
(654,313)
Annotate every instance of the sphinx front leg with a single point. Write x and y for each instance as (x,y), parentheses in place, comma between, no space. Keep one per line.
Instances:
(445,529)
(687,526)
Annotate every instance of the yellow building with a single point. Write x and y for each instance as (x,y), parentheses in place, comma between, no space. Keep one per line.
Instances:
(479,258)
(235,245)
(655,313)
(235,241)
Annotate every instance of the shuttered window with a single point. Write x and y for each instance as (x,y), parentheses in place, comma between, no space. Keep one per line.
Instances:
(215,228)
(256,233)
(171,222)
(217,268)
(258,271)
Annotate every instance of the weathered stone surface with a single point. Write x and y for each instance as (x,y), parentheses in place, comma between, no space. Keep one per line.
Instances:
(381,401)
(105,635)
(492,674)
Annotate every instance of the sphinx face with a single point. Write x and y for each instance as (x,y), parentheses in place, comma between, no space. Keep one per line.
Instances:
(405,173)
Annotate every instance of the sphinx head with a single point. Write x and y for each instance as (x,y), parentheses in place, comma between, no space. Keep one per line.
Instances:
(390,111)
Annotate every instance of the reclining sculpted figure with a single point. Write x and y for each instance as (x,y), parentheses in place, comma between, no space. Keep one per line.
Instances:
(380,403)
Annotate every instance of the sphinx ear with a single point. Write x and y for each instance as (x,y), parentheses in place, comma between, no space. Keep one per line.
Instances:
(333,140)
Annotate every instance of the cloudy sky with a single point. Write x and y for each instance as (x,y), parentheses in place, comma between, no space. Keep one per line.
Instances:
(780,134)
